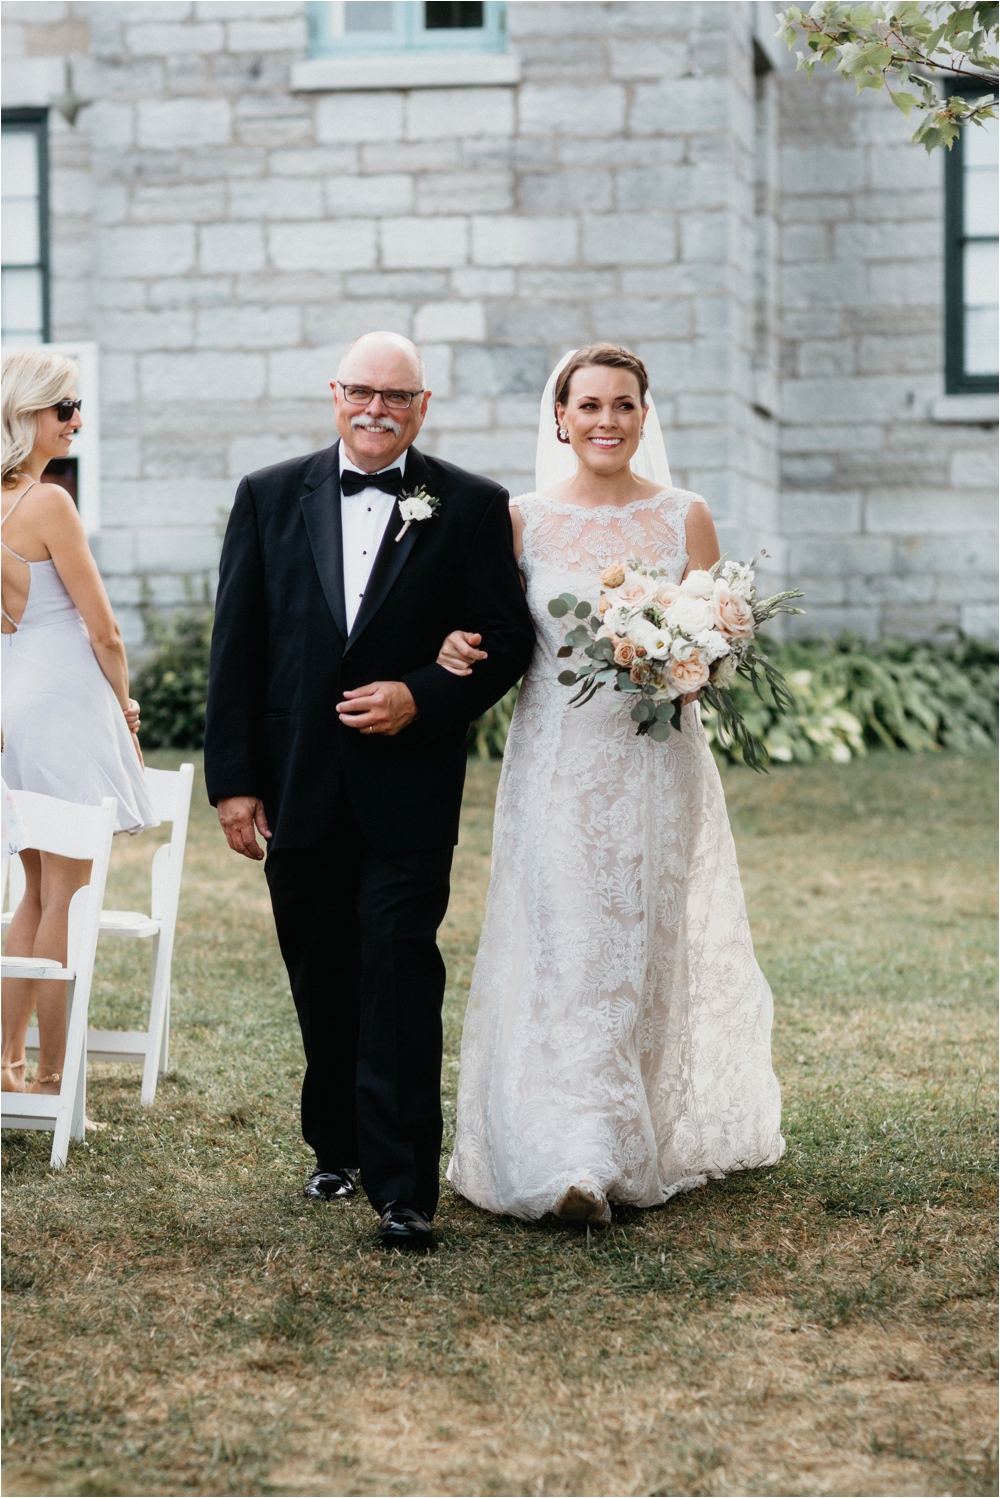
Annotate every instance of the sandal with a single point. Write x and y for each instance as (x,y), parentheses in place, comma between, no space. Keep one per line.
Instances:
(12,1066)
(40,1082)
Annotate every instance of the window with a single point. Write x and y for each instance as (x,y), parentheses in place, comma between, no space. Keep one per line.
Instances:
(25,249)
(972,331)
(339,26)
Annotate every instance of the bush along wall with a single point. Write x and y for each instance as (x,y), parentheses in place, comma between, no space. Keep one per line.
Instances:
(850,696)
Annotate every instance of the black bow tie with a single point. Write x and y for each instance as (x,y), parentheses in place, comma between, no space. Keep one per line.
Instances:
(390,482)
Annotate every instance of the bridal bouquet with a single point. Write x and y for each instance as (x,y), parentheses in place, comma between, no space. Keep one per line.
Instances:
(662,641)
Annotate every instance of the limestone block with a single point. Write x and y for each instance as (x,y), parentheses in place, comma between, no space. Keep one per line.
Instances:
(48,12)
(549,18)
(846,398)
(518,411)
(438,363)
(436,113)
(190,291)
(141,330)
(833,620)
(620,150)
(71,307)
(31,81)
(816,512)
(71,256)
(450,322)
(248,327)
(359,117)
(588,109)
(814,435)
(500,370)
(460,192)
(187,74)
(181,202)
(621,318)
(166,123)
(907,283)
(205,376)
(811,468)
(124,591)
(566,191)
(121,77)
(71,192)
(567,284)
(705,236)
(821,169)
(969,555)
(348,245)
(247,454)
(159,38)
(471,281)
(910,512)
(146,502)
(522,321)
(460,414)
(919,353)
(974,468)
(430,243)
(285,35)
(901,168)
(121,457)
(231,247)
(888,588)
(715,316)
(797,207)
(241,10)
(316,287)
(628,238)
(828,356)
(679,106)
(345,321)
(181,549)
(166,250)
(813,322)
(806,242)
(118,379)
(839,555)
(114,551)
(479,451)
(230,162)
(352,196)
(896,206)
(111,124)
(701,410)
(510,240)
(313,161)
(304,372)
(401,283)
(642,187)
(276,198)
(979,621)
(647,57)
(412,156)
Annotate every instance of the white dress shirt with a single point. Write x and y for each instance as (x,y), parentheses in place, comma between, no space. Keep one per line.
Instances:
(363,519)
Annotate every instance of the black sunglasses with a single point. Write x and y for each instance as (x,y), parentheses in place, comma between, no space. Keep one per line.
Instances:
(64,409)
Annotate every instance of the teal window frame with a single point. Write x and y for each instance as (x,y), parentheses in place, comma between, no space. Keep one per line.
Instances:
(408,33)
(35,122)
(957,380)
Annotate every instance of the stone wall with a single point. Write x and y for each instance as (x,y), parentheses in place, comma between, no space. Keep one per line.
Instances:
(223,237)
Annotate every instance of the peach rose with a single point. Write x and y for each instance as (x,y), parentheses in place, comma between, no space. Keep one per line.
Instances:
(666,594)
(639,674)
(604,605)
(689,675)
(732,614)
(625,653)
(613,576)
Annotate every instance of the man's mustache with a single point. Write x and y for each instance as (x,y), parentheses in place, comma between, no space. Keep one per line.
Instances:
(376,424)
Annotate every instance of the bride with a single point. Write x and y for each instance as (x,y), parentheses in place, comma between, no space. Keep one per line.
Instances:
(617,1039)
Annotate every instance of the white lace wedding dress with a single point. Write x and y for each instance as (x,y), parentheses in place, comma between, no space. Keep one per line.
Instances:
(618,1027)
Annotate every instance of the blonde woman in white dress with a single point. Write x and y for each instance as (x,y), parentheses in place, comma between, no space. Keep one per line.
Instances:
(69,723)
(617,1041)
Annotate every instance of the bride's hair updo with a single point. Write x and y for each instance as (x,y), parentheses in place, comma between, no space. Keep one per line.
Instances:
(32,379)
(610,354)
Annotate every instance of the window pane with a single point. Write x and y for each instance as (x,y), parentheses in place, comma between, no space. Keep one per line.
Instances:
(20,164)
(982,335)
(981,267)
(452,14)
(981,201)
(22,302)
(19,232)
(979,144)
(368,15)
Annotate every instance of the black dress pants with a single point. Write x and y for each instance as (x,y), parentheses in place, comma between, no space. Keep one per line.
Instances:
(357,929)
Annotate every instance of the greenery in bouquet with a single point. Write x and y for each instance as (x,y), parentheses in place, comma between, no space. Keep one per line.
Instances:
(664,643)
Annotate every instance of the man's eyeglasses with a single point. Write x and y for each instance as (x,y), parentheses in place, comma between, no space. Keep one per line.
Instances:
(361,395)
(64,409)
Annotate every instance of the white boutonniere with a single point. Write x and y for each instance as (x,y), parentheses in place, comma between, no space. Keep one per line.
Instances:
(416,506)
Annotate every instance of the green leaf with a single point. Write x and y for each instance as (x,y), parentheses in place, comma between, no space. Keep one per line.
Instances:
(564,650)
(643,712)
(664,711)
(582,610)
(595,621)
(659,731)
(568,678)
(558,607)
(569,599)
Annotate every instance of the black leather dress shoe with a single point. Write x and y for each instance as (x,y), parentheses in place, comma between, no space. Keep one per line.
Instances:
(406,1227)
(331,1185)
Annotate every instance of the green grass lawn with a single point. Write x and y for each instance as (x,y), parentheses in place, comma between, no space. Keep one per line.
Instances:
(179,1320)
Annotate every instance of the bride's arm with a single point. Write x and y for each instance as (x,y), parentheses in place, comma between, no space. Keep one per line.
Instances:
(701,541)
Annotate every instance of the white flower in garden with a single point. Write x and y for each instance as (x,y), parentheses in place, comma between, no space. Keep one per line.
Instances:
(698,584)
(690,614)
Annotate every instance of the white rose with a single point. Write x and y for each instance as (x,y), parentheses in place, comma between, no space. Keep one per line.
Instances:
(698,584)
(690,614)
(415,509)
(725,672)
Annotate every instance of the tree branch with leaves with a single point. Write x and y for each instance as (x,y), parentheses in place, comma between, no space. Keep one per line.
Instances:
(915,52)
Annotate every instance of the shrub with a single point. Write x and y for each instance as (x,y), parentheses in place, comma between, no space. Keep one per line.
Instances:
(488,734)
(171,687)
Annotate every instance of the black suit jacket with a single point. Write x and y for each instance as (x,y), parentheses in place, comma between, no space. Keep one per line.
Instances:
(282,655)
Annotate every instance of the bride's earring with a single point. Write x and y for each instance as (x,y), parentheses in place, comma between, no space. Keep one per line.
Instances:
(562,434)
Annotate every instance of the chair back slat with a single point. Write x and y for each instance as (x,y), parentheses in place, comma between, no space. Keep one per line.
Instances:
(60,826)
(166,791)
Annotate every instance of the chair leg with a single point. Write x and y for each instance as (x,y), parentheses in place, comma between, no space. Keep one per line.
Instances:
(159,1016)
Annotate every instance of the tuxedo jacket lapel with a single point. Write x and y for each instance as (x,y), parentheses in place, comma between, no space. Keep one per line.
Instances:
(321,512)
(392,554)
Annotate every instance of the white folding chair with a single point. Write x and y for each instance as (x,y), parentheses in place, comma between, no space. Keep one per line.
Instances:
(170,792)
(72,832)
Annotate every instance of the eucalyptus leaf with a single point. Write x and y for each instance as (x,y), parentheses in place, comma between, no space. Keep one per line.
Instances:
(659,731)
(564,650)
(582,610)
(558,607)
(568,678)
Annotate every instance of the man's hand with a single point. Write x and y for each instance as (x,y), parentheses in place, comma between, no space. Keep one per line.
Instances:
(239,815)
(382,707)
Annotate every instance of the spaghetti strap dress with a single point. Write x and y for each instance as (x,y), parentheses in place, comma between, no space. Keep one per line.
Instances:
(64,732)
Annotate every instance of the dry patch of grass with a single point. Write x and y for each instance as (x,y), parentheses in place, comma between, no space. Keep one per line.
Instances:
(179,1320)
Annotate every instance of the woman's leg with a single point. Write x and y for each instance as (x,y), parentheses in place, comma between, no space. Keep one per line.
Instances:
(19,993)
(61,878)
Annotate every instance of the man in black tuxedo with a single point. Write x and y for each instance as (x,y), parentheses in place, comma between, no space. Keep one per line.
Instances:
(334,733)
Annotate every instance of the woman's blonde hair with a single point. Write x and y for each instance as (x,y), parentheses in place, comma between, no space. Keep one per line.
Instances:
(32,378)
